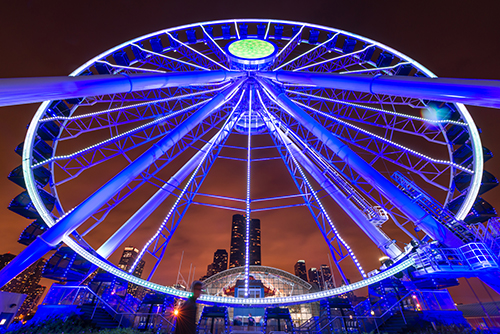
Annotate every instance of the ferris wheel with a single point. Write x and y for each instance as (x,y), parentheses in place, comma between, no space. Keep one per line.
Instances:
(252,91)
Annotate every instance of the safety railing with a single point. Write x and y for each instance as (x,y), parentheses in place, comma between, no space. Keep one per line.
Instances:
(117,309)
(469,257)
(371,317)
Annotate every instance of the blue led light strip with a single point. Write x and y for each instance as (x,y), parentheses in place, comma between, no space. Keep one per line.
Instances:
(247,233)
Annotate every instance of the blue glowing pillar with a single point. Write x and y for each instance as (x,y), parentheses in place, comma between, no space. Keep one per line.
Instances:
(82,212)
(415,213)
(29,90)
(484,93)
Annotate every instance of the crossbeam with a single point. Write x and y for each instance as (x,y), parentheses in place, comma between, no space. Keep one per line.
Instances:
(30,90)
(485,93)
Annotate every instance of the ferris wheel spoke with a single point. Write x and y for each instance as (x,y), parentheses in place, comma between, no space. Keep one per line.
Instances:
(214,46)
(288,48)
(389,123)
(128,69)
(195,55)
(377,70)
(333,64)
(111,118)
(309,55)
(130,110)
(169,63)
(379,112)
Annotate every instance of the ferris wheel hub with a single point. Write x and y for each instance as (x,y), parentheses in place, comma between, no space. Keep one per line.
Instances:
(251,53)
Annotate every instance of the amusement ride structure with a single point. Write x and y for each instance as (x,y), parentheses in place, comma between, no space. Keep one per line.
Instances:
(350,118)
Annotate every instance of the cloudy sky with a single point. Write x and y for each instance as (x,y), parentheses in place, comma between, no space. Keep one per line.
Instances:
(451,38)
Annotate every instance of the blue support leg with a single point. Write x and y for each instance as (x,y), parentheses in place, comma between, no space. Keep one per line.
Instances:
(485,93)
(29,90)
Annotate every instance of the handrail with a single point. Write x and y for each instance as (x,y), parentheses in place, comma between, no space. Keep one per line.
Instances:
(108,306)
(96,295)
(356,317)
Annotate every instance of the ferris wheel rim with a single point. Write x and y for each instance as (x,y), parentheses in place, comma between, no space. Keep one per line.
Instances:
(31,134)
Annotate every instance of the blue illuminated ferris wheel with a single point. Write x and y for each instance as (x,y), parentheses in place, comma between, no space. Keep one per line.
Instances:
(351,119)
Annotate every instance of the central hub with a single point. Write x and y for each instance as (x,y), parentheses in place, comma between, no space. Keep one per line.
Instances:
(251,53)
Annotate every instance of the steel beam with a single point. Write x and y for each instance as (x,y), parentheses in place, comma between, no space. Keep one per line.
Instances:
(484,93)
(418,215)
(74,218)
(29,90)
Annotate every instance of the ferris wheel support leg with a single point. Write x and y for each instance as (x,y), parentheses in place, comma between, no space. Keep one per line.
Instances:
(383,242)
(152,204)
(70,222)
(485,93)
(29,90)
(418,215)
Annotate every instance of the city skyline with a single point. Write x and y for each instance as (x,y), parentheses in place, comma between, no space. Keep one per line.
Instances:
(435,37)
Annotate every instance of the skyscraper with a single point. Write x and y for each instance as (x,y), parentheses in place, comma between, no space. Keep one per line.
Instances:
(326,277)
(220,261)
(238,233)
(313,276)
(127,260)
(26,282)
(219,264)
(300,270)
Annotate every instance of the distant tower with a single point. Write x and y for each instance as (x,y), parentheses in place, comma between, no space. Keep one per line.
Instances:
(313,276)
(237,250)
(300,270)
(127,260)
(326,277)
(220,261)
(219,264)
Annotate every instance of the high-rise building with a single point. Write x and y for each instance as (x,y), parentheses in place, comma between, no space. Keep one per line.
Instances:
(127,260)
(313,276)
(238,234)
(326,277)
(300,270)
(219,264)
(220,261)
(26,282)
